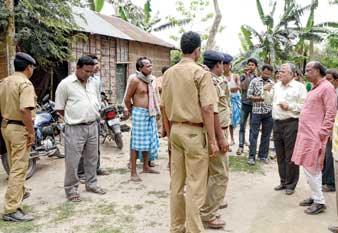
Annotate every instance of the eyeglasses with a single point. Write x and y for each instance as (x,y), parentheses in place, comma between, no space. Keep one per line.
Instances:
(33,67)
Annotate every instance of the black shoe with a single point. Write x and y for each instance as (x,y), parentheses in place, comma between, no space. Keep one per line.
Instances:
(306,202)
(280,187)
(289,191)
(315,208)
(26,195)
(251,162)
(18,216)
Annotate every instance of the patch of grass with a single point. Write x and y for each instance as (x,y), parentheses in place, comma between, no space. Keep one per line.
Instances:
(118,170)
(138,206)
(159,194)
(152,224)
(240,164)
(18,227)
(101,226)
(127,208)
(151,202)
(106,208)
(63,211)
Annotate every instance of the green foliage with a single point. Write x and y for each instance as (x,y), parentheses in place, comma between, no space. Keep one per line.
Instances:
(99,5)
(4,14)
(175,57)
(44,29)
(329,56)
(285,40)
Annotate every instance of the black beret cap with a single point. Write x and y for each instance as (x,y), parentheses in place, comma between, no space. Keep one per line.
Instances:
(25,57)
(227,58)
(211,55)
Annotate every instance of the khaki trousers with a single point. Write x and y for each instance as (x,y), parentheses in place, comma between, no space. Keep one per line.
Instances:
(336,179)
(15,137)
(218,177)
(189,167)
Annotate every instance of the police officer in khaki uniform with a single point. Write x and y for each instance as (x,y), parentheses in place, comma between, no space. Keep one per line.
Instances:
(218,171)
(17,104)
(187,101)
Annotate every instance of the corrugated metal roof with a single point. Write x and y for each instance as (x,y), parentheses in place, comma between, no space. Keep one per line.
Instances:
(134,32)
(90,22)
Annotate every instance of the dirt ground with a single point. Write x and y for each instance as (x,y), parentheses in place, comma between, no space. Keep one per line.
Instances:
(254,207)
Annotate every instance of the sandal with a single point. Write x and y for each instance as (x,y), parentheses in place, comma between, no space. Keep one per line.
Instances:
(97,190)
(217,223)
(74,198)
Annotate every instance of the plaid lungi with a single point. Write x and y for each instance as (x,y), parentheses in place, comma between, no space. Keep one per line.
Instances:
(144,135)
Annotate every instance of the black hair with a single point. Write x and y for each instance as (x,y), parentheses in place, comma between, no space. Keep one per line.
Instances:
(85,61)
(333,72)
(139,62)
(20,65)
(164,69)
(189,42)
(92,56)
(318,66)
(267,67)
(252,60)
(211,63)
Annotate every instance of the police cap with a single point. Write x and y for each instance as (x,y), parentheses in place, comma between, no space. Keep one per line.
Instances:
(227,58)
(211,55)
(25,57)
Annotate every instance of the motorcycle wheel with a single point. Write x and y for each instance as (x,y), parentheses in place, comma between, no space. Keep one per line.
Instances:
(30,170)
(59,154)
(119,141)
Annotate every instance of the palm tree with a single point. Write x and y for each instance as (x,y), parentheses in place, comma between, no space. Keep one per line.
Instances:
(276,41)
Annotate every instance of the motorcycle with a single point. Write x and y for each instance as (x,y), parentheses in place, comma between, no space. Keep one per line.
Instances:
(110,125)
(46,127)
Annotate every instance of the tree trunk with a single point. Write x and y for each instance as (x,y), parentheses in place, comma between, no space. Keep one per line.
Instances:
(215,25)
(311,49)
(10,37)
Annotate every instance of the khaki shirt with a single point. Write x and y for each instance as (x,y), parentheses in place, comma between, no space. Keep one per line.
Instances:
(223,106)
(79,101)
(16,92)
(186,88)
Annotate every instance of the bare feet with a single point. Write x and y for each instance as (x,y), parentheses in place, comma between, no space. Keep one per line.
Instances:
(150,170)
(135,178)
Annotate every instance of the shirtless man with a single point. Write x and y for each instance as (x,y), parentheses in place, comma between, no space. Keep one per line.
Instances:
(142,104)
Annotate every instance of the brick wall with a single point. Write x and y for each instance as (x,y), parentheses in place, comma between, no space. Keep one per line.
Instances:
(104,48)
(160,56)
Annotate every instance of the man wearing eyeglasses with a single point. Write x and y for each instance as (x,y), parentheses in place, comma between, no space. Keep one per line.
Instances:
(99,171)
(17,105)
(76,99)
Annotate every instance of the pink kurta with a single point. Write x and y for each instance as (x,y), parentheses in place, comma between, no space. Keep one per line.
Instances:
(316,118)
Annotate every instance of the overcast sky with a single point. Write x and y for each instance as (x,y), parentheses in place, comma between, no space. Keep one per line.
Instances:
(234,14)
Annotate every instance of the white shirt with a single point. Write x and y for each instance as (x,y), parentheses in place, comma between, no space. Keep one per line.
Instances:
(293,93)
(79,101)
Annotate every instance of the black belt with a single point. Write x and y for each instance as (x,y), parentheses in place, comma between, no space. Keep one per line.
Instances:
(14,122)
(287,120)
(86,123)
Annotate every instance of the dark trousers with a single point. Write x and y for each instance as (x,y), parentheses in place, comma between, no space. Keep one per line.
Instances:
(328,169)
(256,121)
(81,170)
(245,112)
(284,136)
